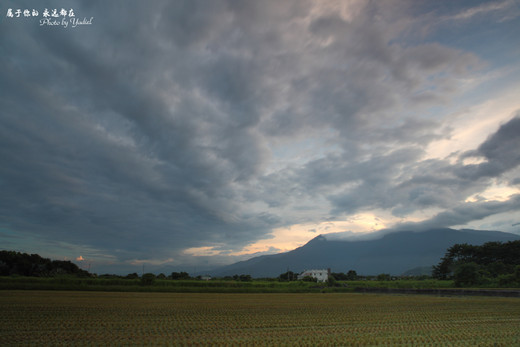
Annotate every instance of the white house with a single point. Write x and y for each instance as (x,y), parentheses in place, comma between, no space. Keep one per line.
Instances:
(320,275)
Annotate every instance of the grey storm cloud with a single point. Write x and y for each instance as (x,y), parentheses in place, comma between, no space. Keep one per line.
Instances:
(152,130)
(500,152)
(463,214)
(405,184)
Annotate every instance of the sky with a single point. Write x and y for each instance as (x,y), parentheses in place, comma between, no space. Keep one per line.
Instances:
(184,135)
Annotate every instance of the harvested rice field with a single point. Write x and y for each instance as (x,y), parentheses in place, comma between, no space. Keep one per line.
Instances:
(71,318)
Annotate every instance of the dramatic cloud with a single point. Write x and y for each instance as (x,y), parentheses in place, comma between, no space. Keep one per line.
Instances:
(184,132)
(464,213)
(500,152)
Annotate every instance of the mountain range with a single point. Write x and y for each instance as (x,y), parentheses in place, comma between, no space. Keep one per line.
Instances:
(385,252)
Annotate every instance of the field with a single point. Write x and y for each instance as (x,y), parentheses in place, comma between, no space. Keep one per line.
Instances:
(69,318)
(198,286)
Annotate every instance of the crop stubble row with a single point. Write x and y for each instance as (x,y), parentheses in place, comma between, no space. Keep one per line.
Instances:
(101,318)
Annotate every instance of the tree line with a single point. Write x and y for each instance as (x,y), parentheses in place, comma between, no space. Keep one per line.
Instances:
(492,262)
(23,264)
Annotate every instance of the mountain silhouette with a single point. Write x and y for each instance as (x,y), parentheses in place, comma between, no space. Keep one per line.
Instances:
(393,253)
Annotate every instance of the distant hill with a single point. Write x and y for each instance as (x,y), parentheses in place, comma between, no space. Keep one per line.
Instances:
(393,253)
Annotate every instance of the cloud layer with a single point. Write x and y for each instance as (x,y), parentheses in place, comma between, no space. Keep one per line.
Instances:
(175,125)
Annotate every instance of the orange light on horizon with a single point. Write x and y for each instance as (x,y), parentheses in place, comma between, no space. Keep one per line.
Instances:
(288,238)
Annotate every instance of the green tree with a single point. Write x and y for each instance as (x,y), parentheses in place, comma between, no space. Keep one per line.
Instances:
(245,278)
(148,279)
(287,276)
(498,268)
(494,257)
(467,274)
(384,277)
(4,269)
(352,275)
(339,276)
(180,276)
(15,263)
(242,278)
(516,273)
(331,281)
(512,279)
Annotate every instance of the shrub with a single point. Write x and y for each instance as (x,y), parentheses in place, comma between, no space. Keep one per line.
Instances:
(148,279)
(331,282)
(467,274)
(384,277)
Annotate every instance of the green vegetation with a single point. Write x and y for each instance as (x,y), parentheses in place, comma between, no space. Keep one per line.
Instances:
(23,264)
(154,284)
(494,264)
(148,279)
(180,319)
(150,283)
(351,275)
